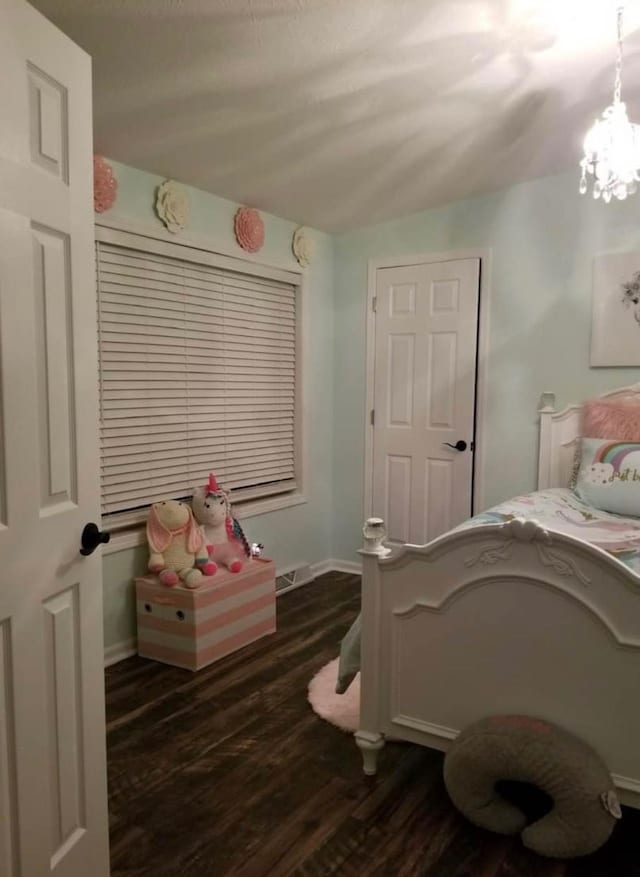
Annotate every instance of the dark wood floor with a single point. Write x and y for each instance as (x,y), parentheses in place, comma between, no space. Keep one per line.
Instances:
(228,771)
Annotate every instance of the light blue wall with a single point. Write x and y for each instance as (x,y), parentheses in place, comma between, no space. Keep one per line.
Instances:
(543,236)
(292,536)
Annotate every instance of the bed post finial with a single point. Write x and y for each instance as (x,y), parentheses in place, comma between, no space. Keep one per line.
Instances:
(374,532)
(547,403)
(547,412)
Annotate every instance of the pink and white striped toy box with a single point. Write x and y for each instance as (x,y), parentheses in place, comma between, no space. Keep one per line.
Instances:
(193,628)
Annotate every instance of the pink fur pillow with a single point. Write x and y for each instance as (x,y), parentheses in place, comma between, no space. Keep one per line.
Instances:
(609,418)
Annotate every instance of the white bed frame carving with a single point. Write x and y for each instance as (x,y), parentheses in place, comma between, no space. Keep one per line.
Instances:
(505,619)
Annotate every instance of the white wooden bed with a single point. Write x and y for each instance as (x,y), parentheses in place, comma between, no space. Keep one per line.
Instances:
(505,618)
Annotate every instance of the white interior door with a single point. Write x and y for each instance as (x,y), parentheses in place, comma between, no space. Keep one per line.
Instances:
(53,804)
(426,326)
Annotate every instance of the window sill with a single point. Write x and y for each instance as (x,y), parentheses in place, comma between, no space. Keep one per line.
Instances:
(132,534)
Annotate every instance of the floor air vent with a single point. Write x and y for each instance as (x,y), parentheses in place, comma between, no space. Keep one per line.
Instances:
(294,578)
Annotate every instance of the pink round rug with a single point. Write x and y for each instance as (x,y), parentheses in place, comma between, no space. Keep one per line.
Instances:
(342,710)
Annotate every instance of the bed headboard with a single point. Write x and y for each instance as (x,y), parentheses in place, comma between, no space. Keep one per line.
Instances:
(559,433)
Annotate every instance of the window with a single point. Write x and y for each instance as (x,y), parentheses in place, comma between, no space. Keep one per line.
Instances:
(198,373)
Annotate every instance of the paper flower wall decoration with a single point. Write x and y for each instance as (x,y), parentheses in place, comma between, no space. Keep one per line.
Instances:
(173,206)
(249,229)
(105,185)
(303,246)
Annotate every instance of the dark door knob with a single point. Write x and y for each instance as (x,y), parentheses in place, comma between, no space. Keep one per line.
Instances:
(460,445)
(91,538)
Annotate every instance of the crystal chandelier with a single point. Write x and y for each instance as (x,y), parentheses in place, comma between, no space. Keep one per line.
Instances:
(612,146)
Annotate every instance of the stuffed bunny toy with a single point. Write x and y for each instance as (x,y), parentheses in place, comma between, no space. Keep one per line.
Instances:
(224,539)
(176,545)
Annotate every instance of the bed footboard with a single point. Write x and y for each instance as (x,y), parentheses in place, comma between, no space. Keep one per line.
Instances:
(496,619)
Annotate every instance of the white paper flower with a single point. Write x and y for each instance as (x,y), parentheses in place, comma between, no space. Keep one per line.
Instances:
(303,245)
(173,206)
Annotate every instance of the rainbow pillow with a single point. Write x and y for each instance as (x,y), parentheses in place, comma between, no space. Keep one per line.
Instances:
(609,475)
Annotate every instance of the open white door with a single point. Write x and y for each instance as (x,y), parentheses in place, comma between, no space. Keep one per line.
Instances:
(426,326)
(53,803)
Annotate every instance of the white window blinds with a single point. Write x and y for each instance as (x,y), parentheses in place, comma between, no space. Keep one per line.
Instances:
(197,375)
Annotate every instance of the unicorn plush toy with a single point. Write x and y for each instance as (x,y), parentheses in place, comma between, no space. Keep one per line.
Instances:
(224,539)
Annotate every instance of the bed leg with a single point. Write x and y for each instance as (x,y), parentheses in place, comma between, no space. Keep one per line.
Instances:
(369,745)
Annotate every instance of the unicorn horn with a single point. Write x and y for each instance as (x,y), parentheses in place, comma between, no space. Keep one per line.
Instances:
(212,486)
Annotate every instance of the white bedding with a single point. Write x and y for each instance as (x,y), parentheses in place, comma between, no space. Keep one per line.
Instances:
(559,509)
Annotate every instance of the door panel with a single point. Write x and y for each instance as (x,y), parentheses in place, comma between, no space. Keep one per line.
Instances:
(402,299)
(64,718)
(400,381)
(439,486)
(56,408)
(8,798)
(397,511)
(442,357)
(53,815)
(424,391)
(48,122)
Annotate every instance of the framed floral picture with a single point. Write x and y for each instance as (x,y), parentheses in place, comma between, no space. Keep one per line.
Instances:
(615,314)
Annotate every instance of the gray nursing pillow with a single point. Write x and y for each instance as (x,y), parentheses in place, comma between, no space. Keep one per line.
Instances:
(528,750)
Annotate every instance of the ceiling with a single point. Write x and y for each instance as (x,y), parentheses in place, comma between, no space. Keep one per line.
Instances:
(340,113)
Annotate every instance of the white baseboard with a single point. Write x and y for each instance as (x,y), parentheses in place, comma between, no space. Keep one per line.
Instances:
(336,565)
(127,648)
(120,651)
(321,568)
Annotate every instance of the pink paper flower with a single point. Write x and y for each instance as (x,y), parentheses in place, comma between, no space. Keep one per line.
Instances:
(249,229)
(105,185)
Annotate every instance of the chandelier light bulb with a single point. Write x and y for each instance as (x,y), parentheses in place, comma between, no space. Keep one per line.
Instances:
(612,146)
